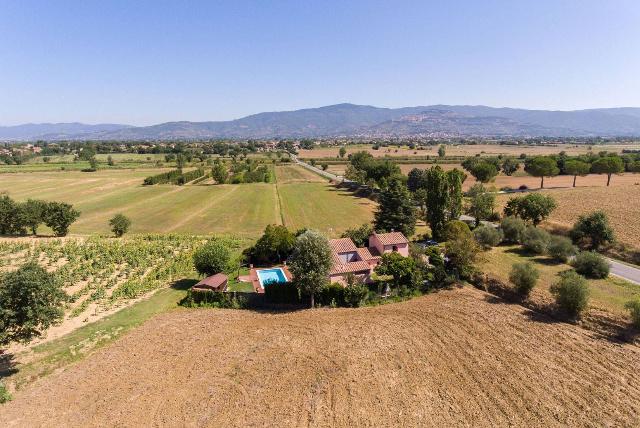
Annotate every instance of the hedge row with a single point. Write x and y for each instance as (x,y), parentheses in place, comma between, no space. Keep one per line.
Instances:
(174,177)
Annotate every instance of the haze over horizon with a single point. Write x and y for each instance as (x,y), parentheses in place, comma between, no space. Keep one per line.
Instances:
(148,63)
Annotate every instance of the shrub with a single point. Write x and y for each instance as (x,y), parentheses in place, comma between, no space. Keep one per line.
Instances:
(4,394)
(524,277)
(591,265)
(213,257)
(119,224)
(455,229)
(332,294)
(571,293)
(535,240)
(462,253)
(634,309)
(513,229)
(593,229)
(561,248)
(488,236)
(356,291)
(286,293)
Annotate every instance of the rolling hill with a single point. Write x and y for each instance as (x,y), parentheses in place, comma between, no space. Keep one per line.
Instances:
(360,120)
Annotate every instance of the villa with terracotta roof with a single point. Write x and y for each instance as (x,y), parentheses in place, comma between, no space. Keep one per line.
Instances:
(347,258)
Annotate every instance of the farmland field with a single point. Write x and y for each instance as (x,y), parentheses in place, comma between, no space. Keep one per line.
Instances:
(243,210)
(620,201)
(454,358)
(466,150)
(100,275)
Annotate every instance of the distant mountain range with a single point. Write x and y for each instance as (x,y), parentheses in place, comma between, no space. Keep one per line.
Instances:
(350,120)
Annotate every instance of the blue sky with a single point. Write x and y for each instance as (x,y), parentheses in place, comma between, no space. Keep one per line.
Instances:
(145,62)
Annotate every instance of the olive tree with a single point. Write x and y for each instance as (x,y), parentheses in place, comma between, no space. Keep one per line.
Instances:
(59,216)
(31,300)
(213,257)
(310,263)
(593,228)
(524,277)
(120,224)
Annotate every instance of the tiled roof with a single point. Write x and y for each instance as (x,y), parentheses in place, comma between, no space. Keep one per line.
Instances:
(350,267)
(215,282)
(342,245)
(364,254)
(392,238)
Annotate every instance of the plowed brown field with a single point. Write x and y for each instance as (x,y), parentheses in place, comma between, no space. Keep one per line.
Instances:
(454,358)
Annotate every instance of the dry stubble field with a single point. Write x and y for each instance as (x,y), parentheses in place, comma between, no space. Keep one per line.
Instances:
(455,358)
(620,201)
(467,150)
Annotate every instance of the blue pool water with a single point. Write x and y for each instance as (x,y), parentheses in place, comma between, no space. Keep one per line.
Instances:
(270,276)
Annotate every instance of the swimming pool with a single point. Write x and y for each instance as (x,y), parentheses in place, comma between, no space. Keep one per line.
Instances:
(271,276)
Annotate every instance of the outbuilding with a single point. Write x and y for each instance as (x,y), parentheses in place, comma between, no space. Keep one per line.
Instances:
(217,282)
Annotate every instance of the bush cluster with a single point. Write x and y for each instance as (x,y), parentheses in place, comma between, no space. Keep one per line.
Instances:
(634,309)
(285,293)
(561,248)
(524,277)
(571,293)
(4,394)
(535,240)
(513,229)
(591,265)
(488,236)
(164,178)
(174,177)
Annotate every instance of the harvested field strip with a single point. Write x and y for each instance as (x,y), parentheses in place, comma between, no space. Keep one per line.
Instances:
(448,359)
(296,174)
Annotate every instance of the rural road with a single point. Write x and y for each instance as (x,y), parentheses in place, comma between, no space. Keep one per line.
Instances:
(619,269)
(318,170)
(625,271)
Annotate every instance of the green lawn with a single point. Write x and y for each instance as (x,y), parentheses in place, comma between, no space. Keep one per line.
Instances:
(610,293)
(243,210)
(323,207)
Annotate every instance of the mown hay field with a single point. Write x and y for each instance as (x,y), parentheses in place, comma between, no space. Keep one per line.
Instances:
(453,358)
(242,210)
(620,201)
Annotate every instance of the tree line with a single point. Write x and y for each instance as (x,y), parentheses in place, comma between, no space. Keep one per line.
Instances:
(485,169)
(21,218)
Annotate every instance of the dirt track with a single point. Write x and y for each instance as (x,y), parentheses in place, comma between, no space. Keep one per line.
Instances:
(450,359)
